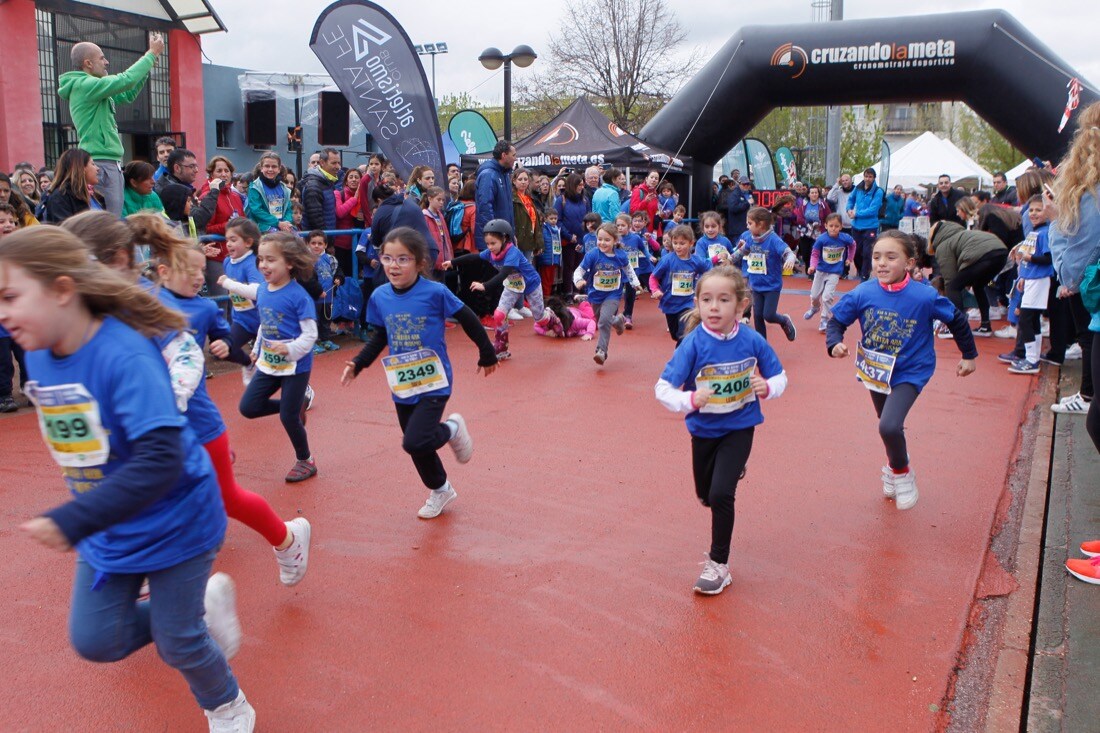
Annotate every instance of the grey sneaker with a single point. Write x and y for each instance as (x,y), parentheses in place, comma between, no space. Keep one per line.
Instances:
(1023,366)
(294,560)
(619,324)
(788,328)
(714,578)
(433,507)
(236,716)
(600,357)
(221,619)
(461,442)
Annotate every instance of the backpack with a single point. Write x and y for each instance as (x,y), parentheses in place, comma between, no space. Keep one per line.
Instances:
(453,214)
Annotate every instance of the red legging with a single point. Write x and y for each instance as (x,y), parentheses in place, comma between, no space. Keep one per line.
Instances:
(244,506)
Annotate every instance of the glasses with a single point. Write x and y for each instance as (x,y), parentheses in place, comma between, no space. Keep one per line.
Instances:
(190,166)
(400,260)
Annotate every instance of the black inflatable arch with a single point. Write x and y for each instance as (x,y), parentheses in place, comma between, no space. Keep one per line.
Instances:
(985,59)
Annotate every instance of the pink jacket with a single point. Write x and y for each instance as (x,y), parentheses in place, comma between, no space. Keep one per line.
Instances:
(583,323)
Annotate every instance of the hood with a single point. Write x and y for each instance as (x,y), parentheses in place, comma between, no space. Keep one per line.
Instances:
(492,163)
(947,232)
(68,81)
(314,173)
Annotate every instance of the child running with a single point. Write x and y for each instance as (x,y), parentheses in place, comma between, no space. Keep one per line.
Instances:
(283,352)
(144,497)
(180,267)
(713,244)
(764,255)
(829,259)
(632,246)
(409,315)
(717,376)
(896,355)
(242,280)
(518,276)
(673,280)
(605,268)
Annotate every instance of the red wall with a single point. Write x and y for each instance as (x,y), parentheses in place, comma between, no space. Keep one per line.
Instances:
(185,72)
(20,97)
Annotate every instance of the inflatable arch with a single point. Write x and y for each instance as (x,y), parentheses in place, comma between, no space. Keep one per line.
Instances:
(985,59)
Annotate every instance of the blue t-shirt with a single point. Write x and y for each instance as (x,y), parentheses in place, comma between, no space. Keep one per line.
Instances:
(366,272)
(707,248)
(326,274)
(605,275)
(275,199)
(1040,237)
(589,242)
(677,278)
(701,349)
(899,324)
(551,238)
(416,320)
(636,243)
(281,312)
(204,320)
(111,392)
(246,272)
(765,274)
(512,257)
(838,247)
(812,213)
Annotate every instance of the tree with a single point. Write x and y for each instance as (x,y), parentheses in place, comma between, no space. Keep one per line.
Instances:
(860,140)
(616,52)
(980,141)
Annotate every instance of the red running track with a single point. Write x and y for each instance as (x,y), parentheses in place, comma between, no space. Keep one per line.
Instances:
(555,593)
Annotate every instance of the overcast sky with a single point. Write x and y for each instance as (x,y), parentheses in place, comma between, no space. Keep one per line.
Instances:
(273,35)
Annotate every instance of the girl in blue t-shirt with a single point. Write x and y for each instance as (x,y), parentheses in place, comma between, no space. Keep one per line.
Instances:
(829,258)
(717,376)
(283,352)
(673,280)
(591,223)
(181,278)
(241,280)
(632,246)
(109,418)
(763,255)
(713,245)
(896,357)
(603,270)
(409,316)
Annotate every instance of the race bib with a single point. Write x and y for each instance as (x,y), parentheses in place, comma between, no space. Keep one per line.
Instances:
(874,369)
(730,384)
(632,256)
(241,303)
(415,373)
(1027,247)
(833,255)
(515,283)
(273,363)
(275,206)
(757,262)
(607,281)
(683,283)
(69,418)
(715,250)
(556,247)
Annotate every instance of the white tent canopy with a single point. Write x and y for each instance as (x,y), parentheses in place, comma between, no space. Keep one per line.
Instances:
(925,159)
(1016,172)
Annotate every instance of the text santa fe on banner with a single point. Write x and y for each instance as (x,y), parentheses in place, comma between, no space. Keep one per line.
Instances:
(373,62)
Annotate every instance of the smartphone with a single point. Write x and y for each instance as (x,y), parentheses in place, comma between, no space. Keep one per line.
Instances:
(1049,191)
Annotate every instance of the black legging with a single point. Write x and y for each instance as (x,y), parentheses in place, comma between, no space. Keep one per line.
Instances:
(764,307)
(424,434)
(717,464)
(892,410)
(977,276)
(1092,421)
(256,402)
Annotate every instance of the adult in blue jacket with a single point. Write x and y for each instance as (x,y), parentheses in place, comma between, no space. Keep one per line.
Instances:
(738,202)
(395,210)
(318,195)
(864,203)
(493,196)
(606,200)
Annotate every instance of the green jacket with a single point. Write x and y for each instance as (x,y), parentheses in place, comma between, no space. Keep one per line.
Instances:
(133,202)
(92,103)
(957,248)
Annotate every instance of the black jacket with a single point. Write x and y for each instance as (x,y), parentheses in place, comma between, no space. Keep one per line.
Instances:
(203,211)
(939,211)
(398,211)
(62,204)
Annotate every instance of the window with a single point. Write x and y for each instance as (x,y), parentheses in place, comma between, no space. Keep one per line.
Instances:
(225,133)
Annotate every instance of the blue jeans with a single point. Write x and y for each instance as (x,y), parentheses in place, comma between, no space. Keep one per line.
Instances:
(109,624)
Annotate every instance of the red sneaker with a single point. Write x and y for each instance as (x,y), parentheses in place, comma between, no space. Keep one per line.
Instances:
(1091,548)
(1086,570)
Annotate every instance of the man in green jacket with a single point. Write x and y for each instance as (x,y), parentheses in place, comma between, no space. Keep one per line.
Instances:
(92,96)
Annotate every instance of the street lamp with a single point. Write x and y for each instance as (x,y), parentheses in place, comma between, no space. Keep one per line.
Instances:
(431,49)
(492,59)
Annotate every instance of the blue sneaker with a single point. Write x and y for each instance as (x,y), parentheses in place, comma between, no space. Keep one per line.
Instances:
(318,349)
(330,346)
(1009,358)
(1023,366)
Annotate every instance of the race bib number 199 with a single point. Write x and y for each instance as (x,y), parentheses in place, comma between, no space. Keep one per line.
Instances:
(69,418)
(730,385)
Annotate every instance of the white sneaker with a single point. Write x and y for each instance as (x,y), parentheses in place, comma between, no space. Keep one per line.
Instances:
(437,499)
(461,442)
(221,614)
(309,398)
(943,332)
(714,578)
(526,312)
(1073,353)
(233,717)
(294,560)
(1006,332)
(1072,405)
(888,489)
(247,373)
(1045,330)
(973,315)
(905,490)
(515,315)
(997,312)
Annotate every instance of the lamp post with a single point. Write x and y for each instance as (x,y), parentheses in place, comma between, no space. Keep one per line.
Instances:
(431,49)
(492,59)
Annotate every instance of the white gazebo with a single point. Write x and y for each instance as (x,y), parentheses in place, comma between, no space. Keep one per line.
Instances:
(925,159)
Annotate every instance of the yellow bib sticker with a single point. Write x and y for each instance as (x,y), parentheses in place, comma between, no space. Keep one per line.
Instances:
(874,369)
(757,263)
(632,256)
(730,384)
(607,281)
(70,421)
(415,373)
(833,255)
(715,250)
(556,247)
(272,362)
(683,283)
(515,283)
(241,303)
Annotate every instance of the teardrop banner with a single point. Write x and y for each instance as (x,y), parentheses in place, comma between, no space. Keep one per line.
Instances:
(785,165)
(471,133)
(884,174)
(760,162)
(373,62)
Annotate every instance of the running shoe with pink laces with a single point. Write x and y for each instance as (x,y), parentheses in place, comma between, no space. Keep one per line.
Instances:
(294,560)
